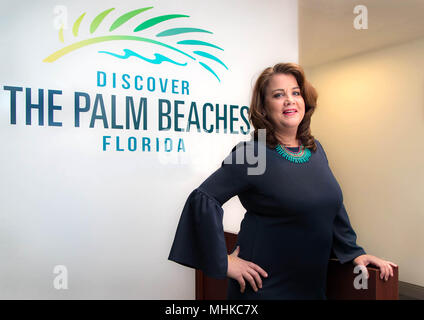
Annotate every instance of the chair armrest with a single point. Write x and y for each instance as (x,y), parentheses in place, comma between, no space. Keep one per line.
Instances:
(341,277)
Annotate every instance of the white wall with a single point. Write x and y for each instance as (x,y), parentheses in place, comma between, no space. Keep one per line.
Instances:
(370,120)
(110,216)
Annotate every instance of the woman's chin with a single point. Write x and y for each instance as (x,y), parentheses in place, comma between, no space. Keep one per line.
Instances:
(294,123)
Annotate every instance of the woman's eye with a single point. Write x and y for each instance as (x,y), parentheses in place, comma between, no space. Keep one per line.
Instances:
(295,93)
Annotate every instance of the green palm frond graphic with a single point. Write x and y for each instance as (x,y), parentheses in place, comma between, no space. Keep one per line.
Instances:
(195,55)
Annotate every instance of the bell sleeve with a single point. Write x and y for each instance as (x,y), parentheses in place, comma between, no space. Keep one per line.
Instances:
(199,239)
(344,238)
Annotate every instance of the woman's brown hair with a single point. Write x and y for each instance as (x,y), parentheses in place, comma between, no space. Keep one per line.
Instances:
(257,114)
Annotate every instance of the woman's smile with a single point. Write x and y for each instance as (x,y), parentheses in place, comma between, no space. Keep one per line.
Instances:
(290,112)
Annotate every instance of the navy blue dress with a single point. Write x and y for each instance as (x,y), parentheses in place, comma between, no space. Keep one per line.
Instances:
(295,220)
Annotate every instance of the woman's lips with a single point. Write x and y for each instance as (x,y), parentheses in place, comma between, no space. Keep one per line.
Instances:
(290,113)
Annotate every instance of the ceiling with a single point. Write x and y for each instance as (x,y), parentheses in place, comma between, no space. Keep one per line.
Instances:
(326,31)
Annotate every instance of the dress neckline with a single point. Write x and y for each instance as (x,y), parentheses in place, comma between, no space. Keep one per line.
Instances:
(298,154)
(293,148)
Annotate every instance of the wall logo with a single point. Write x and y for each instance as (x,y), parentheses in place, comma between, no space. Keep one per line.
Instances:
(191,50)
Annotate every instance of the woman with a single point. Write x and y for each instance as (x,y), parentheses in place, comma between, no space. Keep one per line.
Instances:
(295,218)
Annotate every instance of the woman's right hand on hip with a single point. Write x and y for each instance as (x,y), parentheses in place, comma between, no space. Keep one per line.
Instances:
(241,270)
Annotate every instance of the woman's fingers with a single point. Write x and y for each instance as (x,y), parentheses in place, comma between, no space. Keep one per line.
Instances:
(381,267)
(389,272)
(390,265)
(258,269)
(253,277)
(256,276)
(242,271)
(386,267)
(250,279)
(242,284)
(386,270)
(383,270)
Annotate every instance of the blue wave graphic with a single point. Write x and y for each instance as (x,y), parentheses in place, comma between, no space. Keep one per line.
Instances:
(204,65)
(159,58)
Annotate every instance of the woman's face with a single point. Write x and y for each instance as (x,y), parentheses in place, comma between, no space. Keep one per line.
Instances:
(282,95)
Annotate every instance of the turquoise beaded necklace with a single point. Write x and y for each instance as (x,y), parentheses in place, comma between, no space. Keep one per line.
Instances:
(300,156)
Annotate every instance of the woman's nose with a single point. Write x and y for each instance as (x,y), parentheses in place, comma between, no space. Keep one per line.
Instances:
(289,99)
